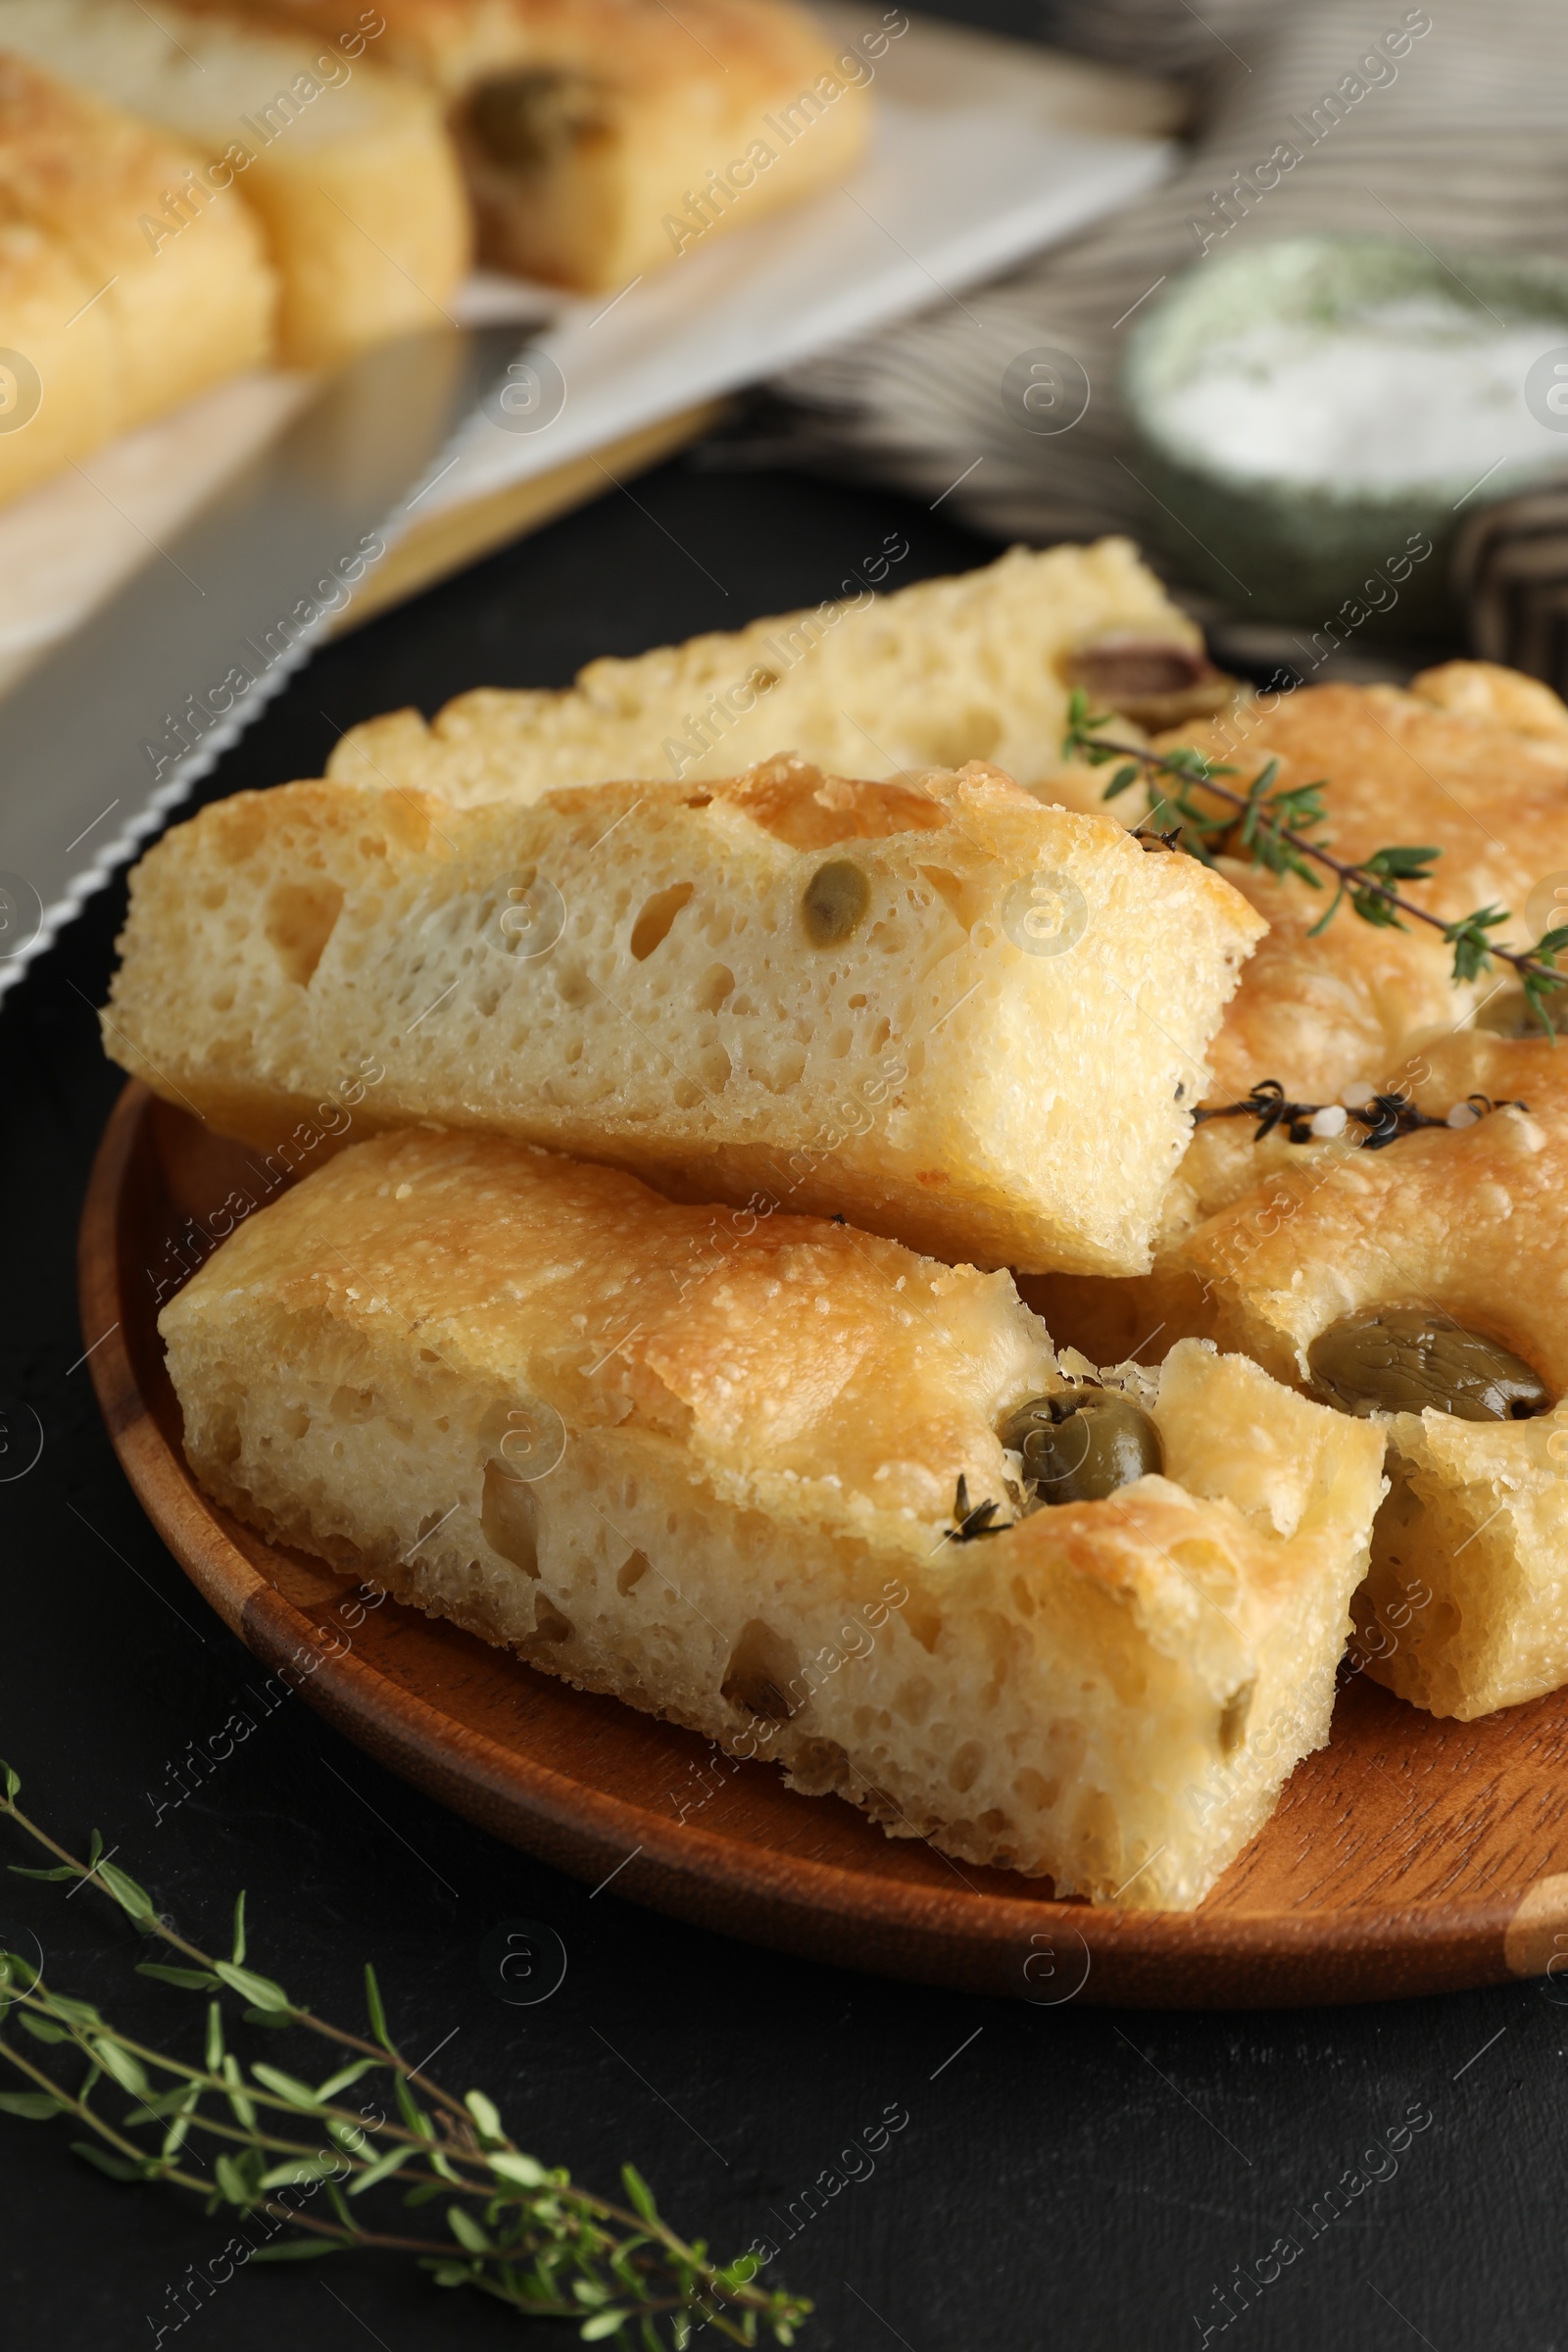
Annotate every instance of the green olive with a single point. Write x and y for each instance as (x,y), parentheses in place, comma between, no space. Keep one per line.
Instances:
(835,902)
(530,118)
(1082,1444)
(1411,1359)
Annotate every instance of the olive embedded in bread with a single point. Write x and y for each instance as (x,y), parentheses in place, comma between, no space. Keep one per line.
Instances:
(1081,1444)
(1410,1359)
(526,120)
(834,902)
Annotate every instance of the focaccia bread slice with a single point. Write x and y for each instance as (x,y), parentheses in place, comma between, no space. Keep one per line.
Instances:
(1333,1018)
(1466,1608)
(710,1462)
(933,1007)
(933,676)
(107,332)
(604,138)
(347,169)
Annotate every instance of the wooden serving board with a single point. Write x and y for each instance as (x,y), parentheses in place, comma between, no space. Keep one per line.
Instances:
(1410,1856)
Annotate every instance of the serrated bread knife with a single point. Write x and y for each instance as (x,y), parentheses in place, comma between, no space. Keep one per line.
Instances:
(113,726)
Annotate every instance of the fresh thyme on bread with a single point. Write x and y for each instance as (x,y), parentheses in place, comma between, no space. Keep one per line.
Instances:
(937,1006)
(748,1472)
(1468,1227)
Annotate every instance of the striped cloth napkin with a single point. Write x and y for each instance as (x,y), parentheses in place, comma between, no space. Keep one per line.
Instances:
(1444,123)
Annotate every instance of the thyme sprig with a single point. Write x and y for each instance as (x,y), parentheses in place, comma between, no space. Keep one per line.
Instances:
(1270,827)
(519,2231)
(971,1521)
(1383,1116)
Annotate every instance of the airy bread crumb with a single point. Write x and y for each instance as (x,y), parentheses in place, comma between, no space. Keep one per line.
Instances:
(988,1047)
(708,1462)
(933,676)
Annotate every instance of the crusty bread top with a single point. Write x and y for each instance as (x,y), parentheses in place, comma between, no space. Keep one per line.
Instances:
(806,1369)
(79,175)
(1472,1221)
(639,43)
(85,173)
(931,676)
(928,1070)
(789,1355)
(200,76)
(1466,762)
(1318,1015)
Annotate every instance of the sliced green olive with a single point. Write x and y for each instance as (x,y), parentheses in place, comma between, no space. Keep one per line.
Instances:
(1082,1444)
(530,118)
(1409,1359)
(834,902)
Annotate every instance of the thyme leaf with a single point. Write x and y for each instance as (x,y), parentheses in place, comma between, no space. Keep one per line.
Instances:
(266,2143)
(1271,826)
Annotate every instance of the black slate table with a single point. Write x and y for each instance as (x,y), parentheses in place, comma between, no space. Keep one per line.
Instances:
(1066,2177)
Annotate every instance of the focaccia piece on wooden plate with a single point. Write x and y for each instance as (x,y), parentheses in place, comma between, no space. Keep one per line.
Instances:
(1466,1608)
(933,1007)
(606,139)
(1473,760)
(104,332)
(347,169)
(932,676)
(709,1462)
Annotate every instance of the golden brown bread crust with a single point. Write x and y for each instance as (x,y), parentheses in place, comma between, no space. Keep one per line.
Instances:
(1397,767)
(347,169)
(615,115)
(75,179)
(707,1462)
(1473,754)
(1315,1014)
(1473,1223)
(453,43)
(886,679)
(937,1070)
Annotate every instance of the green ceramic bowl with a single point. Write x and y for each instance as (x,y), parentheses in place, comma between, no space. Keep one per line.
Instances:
(1328,556)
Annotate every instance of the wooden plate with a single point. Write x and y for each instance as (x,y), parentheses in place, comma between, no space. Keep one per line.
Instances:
(1410,1856)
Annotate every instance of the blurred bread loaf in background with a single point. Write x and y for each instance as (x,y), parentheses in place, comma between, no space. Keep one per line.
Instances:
(604,139)
(933,676)
(100,331)
(345,168)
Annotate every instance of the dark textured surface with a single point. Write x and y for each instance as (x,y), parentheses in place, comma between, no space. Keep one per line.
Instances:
(1065,2177)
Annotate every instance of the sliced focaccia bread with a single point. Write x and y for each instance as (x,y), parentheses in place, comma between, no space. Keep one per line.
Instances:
(756,1473)
(103,331)
(347,169)
(1472,755)
(604,138)
(977,667)
(1426,1285)
(936,1006)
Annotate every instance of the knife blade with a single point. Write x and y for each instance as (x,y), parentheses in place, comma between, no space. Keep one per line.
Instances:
(111,730)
